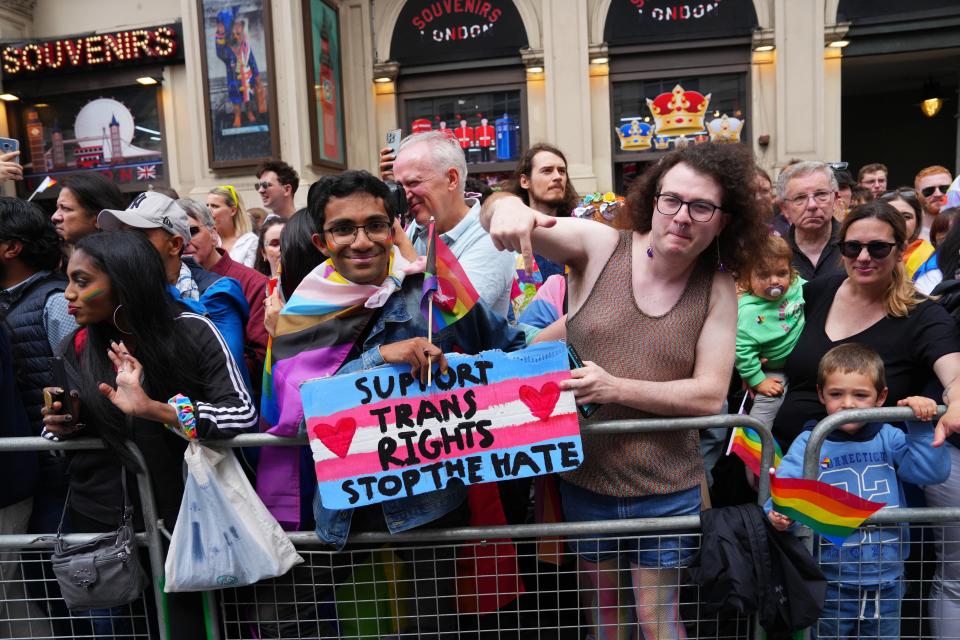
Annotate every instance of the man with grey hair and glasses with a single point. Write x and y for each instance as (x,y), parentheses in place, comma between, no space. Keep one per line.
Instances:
(432,170)
(808,194)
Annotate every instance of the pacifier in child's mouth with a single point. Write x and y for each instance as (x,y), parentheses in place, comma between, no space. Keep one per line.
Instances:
(774,292)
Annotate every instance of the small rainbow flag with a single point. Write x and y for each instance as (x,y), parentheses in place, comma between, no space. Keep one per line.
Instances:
(747,445)
(828,510)
(445,281)
(43,186)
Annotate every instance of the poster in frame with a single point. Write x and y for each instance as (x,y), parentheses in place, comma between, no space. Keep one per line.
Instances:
(322,42)
(240,106)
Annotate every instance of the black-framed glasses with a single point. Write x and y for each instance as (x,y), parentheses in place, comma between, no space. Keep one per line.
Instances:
(699,210)
(878,249)
(820,197)
(262,185)
(343,233)
(928,191)
(194,231)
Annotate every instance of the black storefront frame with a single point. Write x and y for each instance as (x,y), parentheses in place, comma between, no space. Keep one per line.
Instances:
(653,62)
(40,88)
(504,75)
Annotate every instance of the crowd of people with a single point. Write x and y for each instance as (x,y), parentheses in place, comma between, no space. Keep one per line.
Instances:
(811,294)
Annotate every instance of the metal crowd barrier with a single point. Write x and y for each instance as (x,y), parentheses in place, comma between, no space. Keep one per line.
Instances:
(527,572)
(927,596)
(27,555)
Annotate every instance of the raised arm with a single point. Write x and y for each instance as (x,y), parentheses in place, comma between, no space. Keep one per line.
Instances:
(513,226)
(701,394)
(947,368)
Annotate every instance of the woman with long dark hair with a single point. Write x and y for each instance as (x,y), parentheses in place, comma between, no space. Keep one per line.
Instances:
(138,362)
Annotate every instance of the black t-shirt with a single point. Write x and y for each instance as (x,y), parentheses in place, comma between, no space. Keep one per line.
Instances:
(908,346)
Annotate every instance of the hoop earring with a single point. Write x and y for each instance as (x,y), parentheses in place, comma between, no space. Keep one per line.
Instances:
(129,333)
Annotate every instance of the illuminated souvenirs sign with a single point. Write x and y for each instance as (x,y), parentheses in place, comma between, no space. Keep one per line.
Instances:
(98,50)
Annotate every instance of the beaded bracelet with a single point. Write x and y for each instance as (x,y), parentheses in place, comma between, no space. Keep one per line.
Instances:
(185,416)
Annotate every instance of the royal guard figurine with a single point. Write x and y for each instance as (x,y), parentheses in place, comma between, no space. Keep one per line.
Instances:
(485,135)
(445,130)
(464,136)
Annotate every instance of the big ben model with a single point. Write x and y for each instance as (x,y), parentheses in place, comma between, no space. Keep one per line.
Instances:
(35,140)
(328,93)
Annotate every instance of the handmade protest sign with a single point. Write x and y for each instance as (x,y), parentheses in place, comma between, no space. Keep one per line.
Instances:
(379,435)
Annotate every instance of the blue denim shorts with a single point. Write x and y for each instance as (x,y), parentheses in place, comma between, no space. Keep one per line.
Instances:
(663,549)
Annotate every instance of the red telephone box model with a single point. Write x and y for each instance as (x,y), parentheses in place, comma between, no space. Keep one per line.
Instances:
(485,135)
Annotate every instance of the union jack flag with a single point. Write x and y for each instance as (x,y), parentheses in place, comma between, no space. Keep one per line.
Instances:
(147,173)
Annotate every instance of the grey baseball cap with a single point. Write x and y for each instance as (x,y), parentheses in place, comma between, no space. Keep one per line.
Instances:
(149,210)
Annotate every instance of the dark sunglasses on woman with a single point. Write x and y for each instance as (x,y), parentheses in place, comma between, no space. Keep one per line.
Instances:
(877,249)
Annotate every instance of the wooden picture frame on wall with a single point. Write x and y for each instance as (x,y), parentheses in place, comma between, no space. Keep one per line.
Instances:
(322,44)
(237,68)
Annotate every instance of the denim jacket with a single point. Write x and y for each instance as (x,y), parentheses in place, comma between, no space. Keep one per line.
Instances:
(400,319)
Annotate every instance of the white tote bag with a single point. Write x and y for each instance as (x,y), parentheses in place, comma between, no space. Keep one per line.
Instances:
(225,536)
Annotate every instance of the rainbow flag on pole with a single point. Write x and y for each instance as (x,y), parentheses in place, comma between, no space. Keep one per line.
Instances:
(828,510)
(445,281)
(746,444)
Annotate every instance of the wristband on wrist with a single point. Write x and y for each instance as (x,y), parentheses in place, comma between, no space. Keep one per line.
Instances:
(185,416)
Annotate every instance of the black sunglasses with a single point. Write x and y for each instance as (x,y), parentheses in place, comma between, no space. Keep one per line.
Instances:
(928,191)
(194,231)
(878,249)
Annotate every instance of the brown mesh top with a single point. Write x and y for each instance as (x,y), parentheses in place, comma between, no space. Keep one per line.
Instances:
(612,331)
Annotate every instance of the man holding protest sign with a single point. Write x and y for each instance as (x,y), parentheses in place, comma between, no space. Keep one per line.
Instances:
(358,310)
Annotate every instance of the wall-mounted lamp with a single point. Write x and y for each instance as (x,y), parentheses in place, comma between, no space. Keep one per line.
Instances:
(599,54)
(532,60)
(764,48)
(838,44)
(931,100)
(384,72)
(762,41)
(147,81)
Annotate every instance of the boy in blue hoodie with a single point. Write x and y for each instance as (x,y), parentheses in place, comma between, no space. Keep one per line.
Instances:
(869,460)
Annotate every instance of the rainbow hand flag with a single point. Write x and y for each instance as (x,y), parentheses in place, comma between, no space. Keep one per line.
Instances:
(746,444)
(828,510)
(445,282)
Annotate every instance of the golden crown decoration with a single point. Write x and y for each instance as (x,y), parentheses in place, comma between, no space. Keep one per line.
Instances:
(679,112)
(725,129)
(635,135)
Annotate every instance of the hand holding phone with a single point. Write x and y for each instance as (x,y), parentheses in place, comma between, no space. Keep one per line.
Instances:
(60,403)
(10,168)
(389,153)
(586,410)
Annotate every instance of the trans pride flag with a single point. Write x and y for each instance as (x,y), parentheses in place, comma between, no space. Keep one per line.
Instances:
(446,283)
(308,345)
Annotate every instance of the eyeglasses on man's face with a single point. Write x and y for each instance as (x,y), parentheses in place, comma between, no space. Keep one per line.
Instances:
(264,184)
(928,191)
(699,210)
(344,233)
(820,197)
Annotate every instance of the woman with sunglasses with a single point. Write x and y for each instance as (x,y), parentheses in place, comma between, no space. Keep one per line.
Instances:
(874,304)
(918,250)
(233,225)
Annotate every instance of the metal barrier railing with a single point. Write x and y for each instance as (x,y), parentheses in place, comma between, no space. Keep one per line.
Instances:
(627,530)
(149,538)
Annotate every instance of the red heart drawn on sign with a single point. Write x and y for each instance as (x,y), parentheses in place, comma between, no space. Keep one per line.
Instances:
(337,438)
(540,403)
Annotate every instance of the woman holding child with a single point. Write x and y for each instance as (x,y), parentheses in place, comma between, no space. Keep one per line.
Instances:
(874,304)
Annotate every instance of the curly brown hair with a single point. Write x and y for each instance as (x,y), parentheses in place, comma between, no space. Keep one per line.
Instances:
(733,168)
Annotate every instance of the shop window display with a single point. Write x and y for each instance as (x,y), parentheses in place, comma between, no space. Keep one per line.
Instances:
(487,126)
(651,117)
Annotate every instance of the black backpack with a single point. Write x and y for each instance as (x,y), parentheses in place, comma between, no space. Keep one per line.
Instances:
(745,566)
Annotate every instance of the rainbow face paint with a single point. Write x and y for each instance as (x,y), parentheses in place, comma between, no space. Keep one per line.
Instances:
(96,293)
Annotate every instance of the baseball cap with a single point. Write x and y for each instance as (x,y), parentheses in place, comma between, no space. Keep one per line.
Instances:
(149,210)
